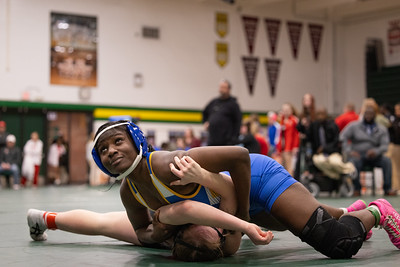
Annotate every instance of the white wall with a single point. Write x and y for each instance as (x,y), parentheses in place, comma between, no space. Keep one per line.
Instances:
(179,69)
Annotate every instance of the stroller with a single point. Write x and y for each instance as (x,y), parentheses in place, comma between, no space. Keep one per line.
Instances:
(317,181)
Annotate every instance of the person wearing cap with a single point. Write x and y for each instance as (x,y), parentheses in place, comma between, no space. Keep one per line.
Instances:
(10,160)
(3,134)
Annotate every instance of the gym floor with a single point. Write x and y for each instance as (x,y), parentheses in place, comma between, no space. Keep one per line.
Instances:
(66,249)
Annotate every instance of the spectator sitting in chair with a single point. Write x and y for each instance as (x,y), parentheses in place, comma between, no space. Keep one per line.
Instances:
(365,142)
(10,160)
(323,134)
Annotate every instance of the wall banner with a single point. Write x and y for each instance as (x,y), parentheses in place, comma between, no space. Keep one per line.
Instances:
(250,65)
(294,30)
(221,53)
(250,29)
(272,26)
(393,35)
(272,66)
(221,24)
(315,35)
(73,50)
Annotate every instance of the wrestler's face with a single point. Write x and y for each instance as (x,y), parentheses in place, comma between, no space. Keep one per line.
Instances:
(116,150)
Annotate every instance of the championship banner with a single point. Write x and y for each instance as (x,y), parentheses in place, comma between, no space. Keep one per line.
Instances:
(315,35)
(250,65)
(393,36)
(273,27)
(294,29)
(221,24)
(221,53)
(250,29)
(272,66)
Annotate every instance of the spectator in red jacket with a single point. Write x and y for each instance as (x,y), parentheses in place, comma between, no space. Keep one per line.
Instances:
(347,116)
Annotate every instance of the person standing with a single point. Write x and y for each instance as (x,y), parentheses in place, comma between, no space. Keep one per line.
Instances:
(394,147)
(289,142)
(3,134)
(56,151)
(33,152)
(274,134)
(222,117)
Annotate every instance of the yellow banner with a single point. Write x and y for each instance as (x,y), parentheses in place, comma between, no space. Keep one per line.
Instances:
(221,24)
(221,53)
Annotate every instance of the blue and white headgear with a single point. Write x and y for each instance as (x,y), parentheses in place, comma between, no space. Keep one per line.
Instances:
(139,141)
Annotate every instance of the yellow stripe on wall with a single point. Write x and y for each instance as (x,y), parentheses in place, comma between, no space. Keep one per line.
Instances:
(159,115)
(150,115)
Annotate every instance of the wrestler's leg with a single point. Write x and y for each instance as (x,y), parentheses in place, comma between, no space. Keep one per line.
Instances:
(113,224)
(295,206)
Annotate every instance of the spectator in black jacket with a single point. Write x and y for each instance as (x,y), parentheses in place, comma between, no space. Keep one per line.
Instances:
(247,139)
(222,117)
(10,160)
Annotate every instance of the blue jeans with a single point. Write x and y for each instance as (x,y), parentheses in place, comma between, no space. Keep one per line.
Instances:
(381,162)
(13,171)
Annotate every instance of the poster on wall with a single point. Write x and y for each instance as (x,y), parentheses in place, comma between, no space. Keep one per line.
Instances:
(250,65)
(272,26)
(315,35)
(250,30)
(221,53)
(272,66)
(73,50)
(221,24)
(294,30)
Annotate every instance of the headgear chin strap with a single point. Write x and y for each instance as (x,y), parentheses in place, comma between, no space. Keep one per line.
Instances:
(132,167)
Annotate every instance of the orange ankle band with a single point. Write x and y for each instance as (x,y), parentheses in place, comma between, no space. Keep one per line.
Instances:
(50,220)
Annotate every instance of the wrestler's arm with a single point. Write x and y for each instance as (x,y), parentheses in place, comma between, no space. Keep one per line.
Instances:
(189,211)
(233,159)
(189,171)
(141,220)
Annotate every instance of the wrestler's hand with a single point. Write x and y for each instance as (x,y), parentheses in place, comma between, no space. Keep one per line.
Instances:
(258,236)
(161,231)
(188,171)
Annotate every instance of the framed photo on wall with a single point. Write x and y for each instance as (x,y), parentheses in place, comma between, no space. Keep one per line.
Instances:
(73,50)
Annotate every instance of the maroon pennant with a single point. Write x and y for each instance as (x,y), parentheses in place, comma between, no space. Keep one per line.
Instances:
(273,27)
(294,29)
(250,28)
(250,69)
(272,66)
(316,35)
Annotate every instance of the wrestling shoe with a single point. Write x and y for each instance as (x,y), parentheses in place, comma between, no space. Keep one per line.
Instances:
(389,220)
(37,226)
(359,205)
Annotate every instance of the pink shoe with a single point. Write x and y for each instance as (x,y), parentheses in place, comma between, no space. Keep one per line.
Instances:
(390,220)
(360,205)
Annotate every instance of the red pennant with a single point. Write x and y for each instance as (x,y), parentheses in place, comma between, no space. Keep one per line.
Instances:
(272,66)
(250,28)
(273,27)
(315,35)
(250,69)
(294,29)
